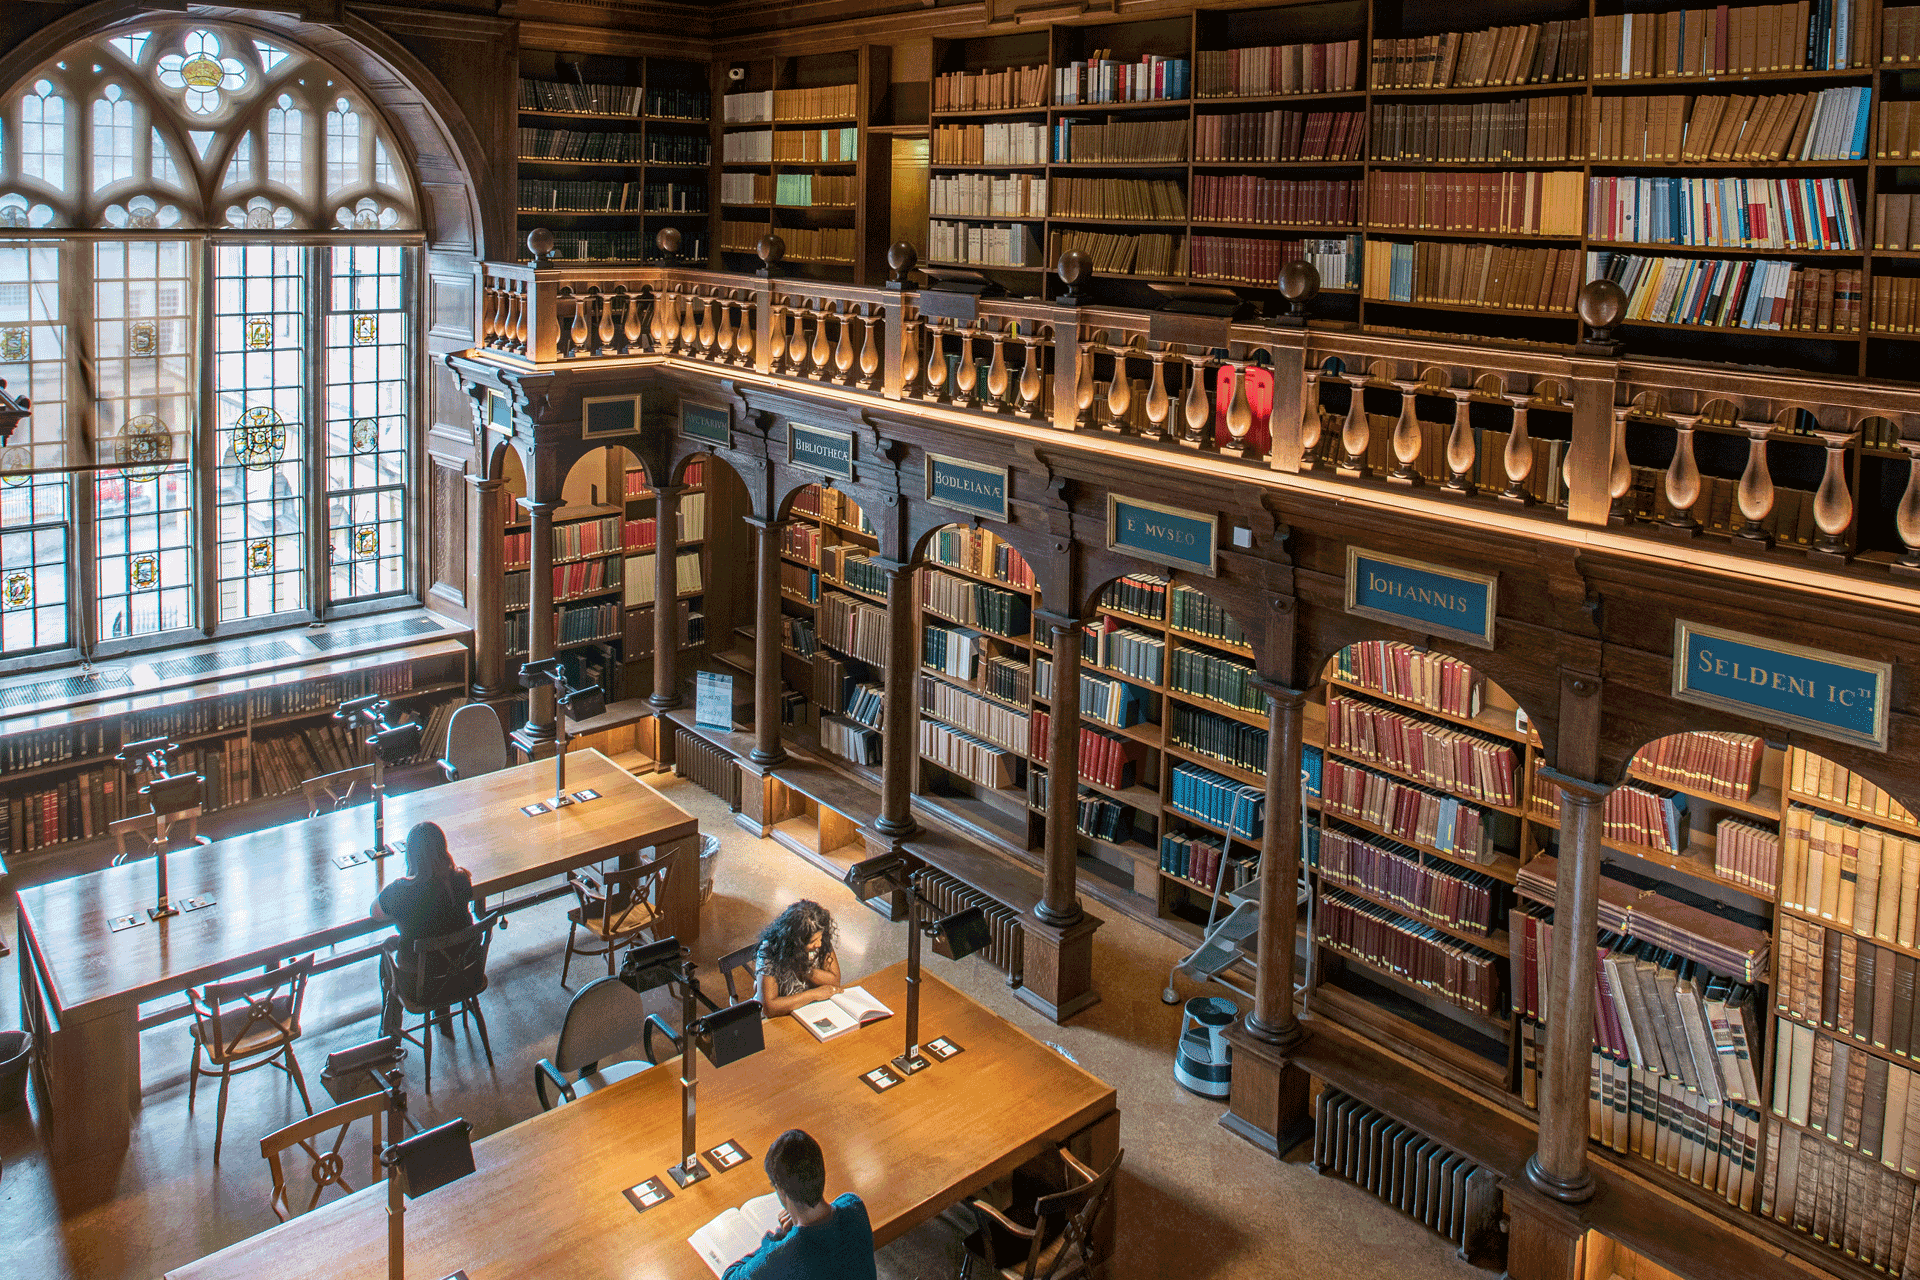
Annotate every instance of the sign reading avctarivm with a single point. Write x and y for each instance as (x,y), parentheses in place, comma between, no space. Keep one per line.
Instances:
(1423,597)
(967,486)
(1826,693)
(1164,535)
(818,449)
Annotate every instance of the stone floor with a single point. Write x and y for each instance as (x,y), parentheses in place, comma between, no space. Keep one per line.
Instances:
(1193,1200)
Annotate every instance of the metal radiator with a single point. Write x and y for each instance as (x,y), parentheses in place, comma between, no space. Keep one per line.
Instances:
(1006,952)
(1411,1172)
(707,765)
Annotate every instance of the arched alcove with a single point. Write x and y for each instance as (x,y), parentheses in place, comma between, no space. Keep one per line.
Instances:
(833,616)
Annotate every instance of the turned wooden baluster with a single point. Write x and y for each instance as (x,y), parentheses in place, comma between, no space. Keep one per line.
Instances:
(1906,517)
(709,331)
(630,322)
(1619,472)
(1755,494)
(510,335)
(1683,478)
(1310,425)
(966,377)
(797,338)
(1460,450)
(822,353)
(1159,406)
(581,335)
(669,323)
(723,328)
(999,377)
(1083,387)
(1832,503)
(1407,440)
(936,361)
(777,337)
(603,331)
(743,336)
(910,356)
(657,321)
(1120,393)
(843,347)
(1031,381)
(1517,461)
(1356,433)
(1239,413)
(1195,407)
(489,315)
(872,335)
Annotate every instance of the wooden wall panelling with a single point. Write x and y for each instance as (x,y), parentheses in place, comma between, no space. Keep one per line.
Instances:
(445,532)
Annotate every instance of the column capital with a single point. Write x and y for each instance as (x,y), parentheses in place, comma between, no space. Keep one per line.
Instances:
(892,568)
(1284,695)
(1058,621)
(1578,791)
(484,484)
(538,508)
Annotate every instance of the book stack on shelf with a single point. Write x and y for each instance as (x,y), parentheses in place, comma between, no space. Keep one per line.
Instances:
(1278,69)
(1539,53)
(1003,90)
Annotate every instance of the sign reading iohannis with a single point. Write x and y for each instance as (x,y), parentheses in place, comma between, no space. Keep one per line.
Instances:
(1164,535)
(967,486)
(817,449)
(1825,693)
(1423,597)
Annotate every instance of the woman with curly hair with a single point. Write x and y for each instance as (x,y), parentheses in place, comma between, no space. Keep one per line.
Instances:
(797,963)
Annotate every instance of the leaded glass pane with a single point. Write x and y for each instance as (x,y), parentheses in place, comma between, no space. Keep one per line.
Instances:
(367,358)
(287,145)
(112,138)
(43,135)
(34,516)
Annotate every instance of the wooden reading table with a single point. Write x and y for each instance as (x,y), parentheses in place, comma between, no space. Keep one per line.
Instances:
(546,1197)
(278,893)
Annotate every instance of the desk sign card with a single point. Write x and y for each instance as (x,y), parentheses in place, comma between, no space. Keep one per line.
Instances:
(1785,684)
(880,1079)
(1163,535)
(713,700)
(534,810)
(199,902)
(647,1194)
(942,1048)
(960,485)
(1422,597)
(727,1155)
(708,422)
(118,923)
(385,851)
(347,861)
(818,449)
(585,794)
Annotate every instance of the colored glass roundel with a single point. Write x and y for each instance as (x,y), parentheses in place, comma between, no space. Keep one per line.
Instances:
(365,435)
(259,332)
(366,329)
(260,555)
(143,448)
(14,344)
(14,463)
(143,338)
(366,540)
(143,572)
(259,438)
(19,589)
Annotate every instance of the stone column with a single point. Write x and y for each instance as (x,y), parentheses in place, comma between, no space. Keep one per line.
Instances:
(1558,1168)
(1061,904)
(537,733)
(1272,1017)
(486,558)
(898,736)
(766,648)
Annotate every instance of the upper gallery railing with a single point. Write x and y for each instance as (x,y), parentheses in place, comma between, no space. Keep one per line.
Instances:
(1788,463)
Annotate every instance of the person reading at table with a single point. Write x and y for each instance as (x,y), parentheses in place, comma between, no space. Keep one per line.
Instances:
(816,1239)
(432,899)
(796,964)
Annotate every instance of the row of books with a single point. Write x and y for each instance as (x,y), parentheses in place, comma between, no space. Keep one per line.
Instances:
(680,104)
(1638,1112)
(591,99)
(1848,987)
(853,567)
(1416,953)
(1217,737)
(1633,814)
(621,246)
(990,90)
(572,624)
(282,762)
(50,746)
(1540,53)
(1120,199)
(1196,612)
(1896,222)
(864,703)
(1830,124)
(1259,261)
(1276,201)
(1219,679)
(1411,882)
(1725,212)
(830,506)
(1141,594)
(1790,520)
(571,541)
(1819,778)
(849,741)
(1823,36)
(1101,78)
(978,762)
(1118,142)
(308,695)
(1496,276)
(1748,854)
(1548,129)
(1705,761)
(1853,875)
(1530,203)
(1008,679)
(1846,1203)
(952,651)
(1200,859)
(853,627)
(985,195)
(1008,142)
(1900,34)
(800,583)
(1857,1099)
(1450,759)
(1110,702)
(981,553)
(688,577)
(804,244)
(1015,245)
(797,634)
(976,604)
(1235,807)
(1111,762)
(792,146)
(581,578)
(1266,70)
(800,542)
(1762,293)
(1098,817)
(614,148)
(1420,676)
(983,718)
(78,806)
(1129,651)
(1407,812)
(1726,940)
(826,102)
(1144,255)
(1267,136)
(613,197)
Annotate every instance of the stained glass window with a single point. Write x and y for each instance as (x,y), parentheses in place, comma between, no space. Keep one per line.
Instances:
(367,354)
(35,530)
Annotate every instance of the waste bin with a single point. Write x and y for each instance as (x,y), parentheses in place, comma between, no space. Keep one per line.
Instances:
(15,1049)
(1204,1062)
(709,850)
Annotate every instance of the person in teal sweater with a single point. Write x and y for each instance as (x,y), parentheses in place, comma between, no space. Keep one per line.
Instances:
(816,1240)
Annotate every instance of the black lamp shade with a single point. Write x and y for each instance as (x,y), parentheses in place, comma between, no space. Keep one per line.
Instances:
(875,876)
(432,1159)
(351,709)
(961,934)
(532,673)
(585,704)
(397,745)
(174,793)
(732,1033)
(146,747)
(654,965)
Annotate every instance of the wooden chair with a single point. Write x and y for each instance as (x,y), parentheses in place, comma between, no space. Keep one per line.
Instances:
(734,961)
(476,744)
(1058,1244)
(244,1024)
(324,1168)
(432,975)
(605,1017)
(335,790)
(616,909)
(143,825)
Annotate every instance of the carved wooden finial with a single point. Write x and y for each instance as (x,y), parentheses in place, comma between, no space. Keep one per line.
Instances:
(540,245)
(771,250)
(1602,304)
(1299,282)
(669,241)
(1075,269)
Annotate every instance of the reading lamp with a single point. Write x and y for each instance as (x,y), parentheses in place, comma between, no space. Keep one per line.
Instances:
(724,1035)
(392,744)
(569,702)
(169,796)
(956,936)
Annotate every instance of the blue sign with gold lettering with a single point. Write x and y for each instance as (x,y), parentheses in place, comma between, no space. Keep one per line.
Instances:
(1825,693)
(1422,597)
(967,486)
(1164,535)
(712,423)
(817,449)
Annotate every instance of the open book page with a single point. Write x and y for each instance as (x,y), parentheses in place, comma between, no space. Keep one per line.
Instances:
(863,1007)
(736,1232)
(838,1014)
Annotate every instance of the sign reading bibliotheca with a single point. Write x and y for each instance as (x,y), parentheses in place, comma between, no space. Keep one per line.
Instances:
(817,449)
(1424,597)
(967,486)
(1164,535)
(712,423)
(1825,693)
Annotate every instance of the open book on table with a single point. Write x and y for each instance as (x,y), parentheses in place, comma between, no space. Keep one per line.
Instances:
(737,1232)
(838,1014)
